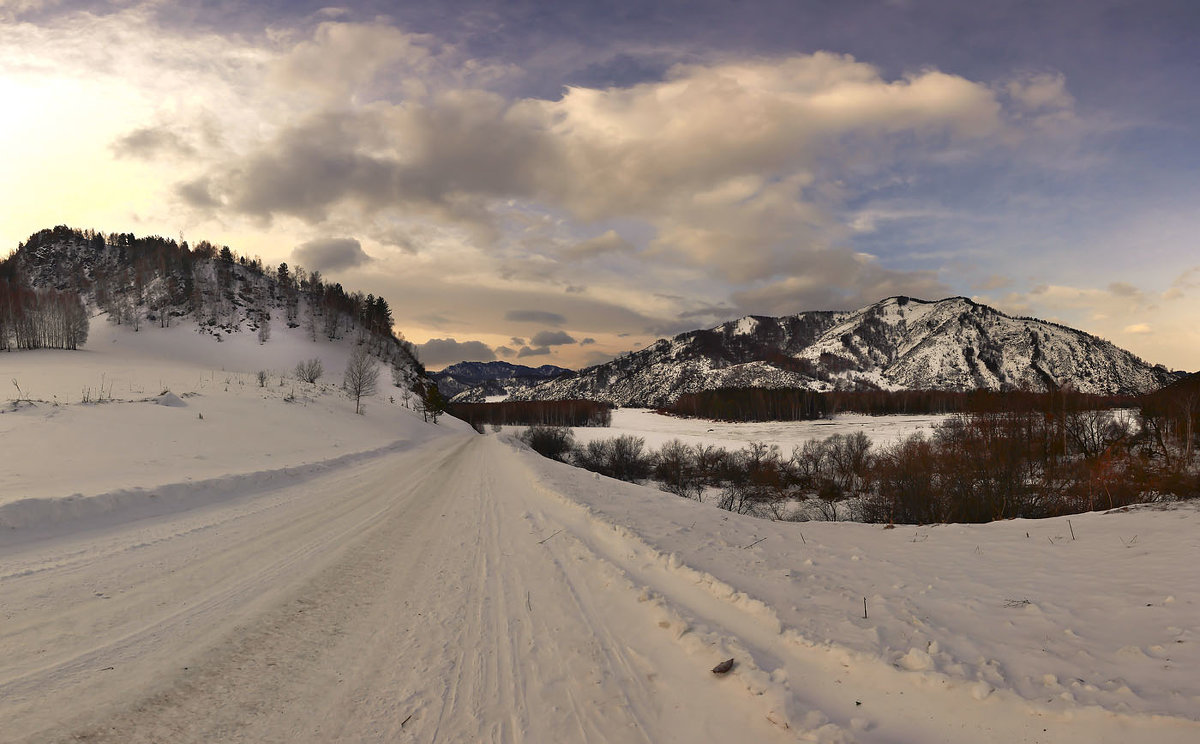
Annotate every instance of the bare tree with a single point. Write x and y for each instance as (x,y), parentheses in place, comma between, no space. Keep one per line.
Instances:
(310,371)
(361,377)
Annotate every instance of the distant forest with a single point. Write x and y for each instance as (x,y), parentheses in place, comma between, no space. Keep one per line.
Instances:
(47,283)
(534,413)
(793,404)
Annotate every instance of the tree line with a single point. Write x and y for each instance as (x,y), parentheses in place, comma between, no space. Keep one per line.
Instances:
(534,413)
(979,466)
(795,404)
(40,318)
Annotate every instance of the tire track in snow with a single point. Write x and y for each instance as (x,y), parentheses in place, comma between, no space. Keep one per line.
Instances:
(221,605)
(823,686)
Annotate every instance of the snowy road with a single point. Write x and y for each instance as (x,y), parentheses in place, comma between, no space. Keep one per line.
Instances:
(409,598)
(450,593)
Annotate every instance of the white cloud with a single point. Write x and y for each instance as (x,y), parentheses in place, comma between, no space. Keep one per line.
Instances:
(1041,92)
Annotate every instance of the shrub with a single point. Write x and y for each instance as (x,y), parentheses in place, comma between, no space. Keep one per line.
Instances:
(310,371)
(676,471)
(621,457)
(555,442)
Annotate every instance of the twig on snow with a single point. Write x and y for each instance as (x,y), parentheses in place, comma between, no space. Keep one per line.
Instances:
(543,541)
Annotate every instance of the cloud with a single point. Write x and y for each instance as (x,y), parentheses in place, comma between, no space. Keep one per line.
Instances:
(993,282)
(756,206)
(551,338)
(534,316)
(1138,329)
(836,280)
(460,149)
(196,193)
(342,58)
(528,352)
(331,254)
(1187,280)
(151,143)
(504,351)
(439,352)
(13,9)
(587,341)
(1040,92)
(609,242)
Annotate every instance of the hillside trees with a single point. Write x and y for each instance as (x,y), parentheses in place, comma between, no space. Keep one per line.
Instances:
(154,280)
(41,318)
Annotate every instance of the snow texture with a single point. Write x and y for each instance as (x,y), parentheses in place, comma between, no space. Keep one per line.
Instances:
(297,573)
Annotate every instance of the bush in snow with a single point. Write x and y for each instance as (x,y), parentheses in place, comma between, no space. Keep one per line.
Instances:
(621,457)
(555,442)
(310,371)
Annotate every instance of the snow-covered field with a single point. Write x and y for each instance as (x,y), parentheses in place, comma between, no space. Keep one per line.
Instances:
(222,422)
(288,572)
(657,429)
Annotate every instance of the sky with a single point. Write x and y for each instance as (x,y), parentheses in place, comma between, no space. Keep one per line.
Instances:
(560,182)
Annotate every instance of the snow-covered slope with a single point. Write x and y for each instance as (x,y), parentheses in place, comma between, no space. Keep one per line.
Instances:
(87,423)
(282,569)
(154,282)
(896,344)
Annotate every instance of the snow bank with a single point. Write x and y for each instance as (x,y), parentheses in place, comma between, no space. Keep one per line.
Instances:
(1107,621)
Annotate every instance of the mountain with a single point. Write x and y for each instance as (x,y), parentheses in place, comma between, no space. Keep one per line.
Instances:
(899,343)
(475,381)
(59,277)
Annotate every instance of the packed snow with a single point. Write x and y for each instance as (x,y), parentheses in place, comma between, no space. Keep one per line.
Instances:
(287,571)
(657,429)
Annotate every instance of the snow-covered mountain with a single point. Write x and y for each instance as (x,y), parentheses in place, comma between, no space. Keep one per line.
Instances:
(475,381)
(899,343)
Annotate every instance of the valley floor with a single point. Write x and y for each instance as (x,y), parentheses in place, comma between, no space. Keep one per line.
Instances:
(456,588)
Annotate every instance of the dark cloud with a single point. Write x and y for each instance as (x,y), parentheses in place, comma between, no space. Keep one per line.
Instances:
(439,352)
(535,316)
(152,143)
(461,149)
(331,254)
(608,243)
(518,341)
(527,352)
(197,193)
(551,338)
(587,341)
(505,351)
(437,320)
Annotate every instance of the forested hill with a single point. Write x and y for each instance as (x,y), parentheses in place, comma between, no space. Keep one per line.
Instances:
(55,279)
